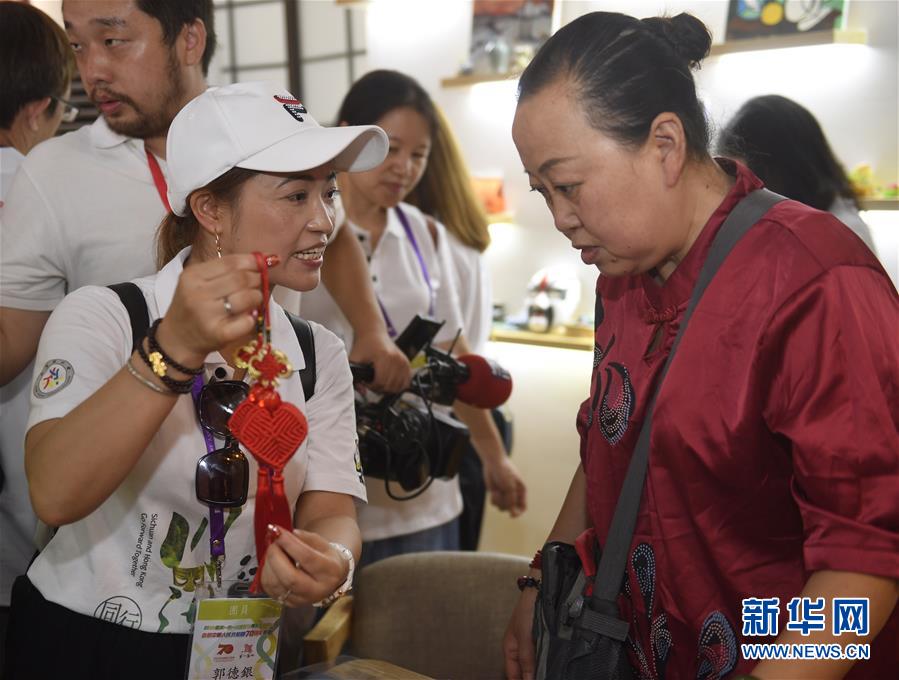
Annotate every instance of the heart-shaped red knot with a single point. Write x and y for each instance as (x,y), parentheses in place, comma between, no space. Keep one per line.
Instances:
(272,436)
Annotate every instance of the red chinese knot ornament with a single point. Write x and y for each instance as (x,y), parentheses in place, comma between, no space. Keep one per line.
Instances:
(270,429)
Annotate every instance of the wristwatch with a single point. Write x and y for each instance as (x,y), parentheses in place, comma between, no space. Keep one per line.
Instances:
(345,587)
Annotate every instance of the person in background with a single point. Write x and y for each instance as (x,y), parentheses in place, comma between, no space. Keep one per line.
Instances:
(446,193)
(36,67)
(411,274)
(246,175)
(784,145)
(774,456)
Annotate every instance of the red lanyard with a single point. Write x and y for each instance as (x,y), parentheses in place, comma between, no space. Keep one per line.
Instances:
(158,179)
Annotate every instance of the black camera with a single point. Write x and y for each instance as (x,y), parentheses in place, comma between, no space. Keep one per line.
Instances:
(401,437)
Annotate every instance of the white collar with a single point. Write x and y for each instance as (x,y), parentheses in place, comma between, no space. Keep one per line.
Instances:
(284,337)
(12,152)
(103,137)
(393,227)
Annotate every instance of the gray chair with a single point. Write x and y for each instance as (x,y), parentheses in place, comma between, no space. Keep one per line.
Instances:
(442,614)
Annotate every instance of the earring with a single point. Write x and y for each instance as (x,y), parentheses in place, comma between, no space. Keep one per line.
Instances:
(218,245)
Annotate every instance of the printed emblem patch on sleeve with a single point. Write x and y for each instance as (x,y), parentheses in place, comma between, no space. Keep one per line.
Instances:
(54,376)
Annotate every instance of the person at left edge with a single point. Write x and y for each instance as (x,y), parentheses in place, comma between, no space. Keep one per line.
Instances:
(84,205)
(112,447)
(36,66)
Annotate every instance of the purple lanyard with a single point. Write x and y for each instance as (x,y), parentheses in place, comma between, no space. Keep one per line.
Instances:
(216,516)
(391,329)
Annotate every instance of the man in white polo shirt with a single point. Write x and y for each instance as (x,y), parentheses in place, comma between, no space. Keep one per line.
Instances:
(84,207)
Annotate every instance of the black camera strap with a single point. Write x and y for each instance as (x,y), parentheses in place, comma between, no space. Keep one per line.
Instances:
(610,573)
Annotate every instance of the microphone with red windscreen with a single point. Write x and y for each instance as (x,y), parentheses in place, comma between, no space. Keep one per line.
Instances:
(486,385)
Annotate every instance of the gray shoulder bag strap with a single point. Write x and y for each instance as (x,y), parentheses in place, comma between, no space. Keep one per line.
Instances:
(613,562)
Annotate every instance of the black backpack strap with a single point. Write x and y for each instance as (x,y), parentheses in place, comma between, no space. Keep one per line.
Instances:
(307,345)
(133,300)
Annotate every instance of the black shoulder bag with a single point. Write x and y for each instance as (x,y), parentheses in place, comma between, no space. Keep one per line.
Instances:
(579,636)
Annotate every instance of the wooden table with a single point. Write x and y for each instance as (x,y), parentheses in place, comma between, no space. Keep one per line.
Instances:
(345,668)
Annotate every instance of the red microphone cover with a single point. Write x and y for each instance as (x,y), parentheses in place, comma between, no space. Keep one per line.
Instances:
(488,385)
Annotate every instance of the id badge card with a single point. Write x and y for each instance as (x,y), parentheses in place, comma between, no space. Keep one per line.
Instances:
(234,637)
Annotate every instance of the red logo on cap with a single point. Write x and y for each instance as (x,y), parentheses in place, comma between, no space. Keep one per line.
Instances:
(292,106)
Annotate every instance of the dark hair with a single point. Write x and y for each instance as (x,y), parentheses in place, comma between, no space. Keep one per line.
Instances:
(176,233)
(176,14)
(35,60)
(627,71)
(782,143)
(377,93)
(445,190)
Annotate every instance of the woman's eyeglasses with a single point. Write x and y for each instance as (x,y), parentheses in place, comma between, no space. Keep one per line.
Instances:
(69,110)
(223,476)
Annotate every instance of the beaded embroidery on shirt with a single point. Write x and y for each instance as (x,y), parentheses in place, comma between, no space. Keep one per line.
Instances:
(717,645)
(652,666)
(717,653)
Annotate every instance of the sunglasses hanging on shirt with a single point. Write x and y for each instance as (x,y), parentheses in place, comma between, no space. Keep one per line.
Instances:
(222,477)
(270,429)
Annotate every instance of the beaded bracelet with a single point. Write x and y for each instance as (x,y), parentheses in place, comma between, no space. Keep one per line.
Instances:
(145,381)
(176,386)
(162,359)
(528,582)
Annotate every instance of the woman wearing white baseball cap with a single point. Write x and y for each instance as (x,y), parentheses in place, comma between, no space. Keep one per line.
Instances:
(121,451)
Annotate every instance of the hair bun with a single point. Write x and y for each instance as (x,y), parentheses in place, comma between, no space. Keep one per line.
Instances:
(686,34)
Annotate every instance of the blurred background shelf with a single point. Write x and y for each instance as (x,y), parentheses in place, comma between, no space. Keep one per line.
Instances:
(854,37)
(563,337)
(475,78)
(879,203)
(837,36)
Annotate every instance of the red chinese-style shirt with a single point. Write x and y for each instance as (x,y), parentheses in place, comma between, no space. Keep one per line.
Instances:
(775,450)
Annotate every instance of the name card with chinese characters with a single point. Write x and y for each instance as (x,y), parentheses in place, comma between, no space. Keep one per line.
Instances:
(235,638)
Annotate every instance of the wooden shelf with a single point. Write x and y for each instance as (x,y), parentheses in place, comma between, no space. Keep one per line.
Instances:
(774,42)
(494,218)
(879,203)
(837,36)
(475,78)
(566,338)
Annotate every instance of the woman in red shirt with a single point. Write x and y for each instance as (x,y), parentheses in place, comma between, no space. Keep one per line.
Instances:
(774,459)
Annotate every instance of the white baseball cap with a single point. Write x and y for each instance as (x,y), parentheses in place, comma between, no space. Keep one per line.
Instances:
(258,126)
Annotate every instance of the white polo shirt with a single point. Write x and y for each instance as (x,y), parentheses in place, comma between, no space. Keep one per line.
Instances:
(139,557)
(17,521)
(400,285)
(471,281)
(10,159)
(82,210)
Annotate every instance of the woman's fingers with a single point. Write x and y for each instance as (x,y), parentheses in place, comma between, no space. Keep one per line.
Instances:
(311,553)
(213,303)
(305,565)
(518,645)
